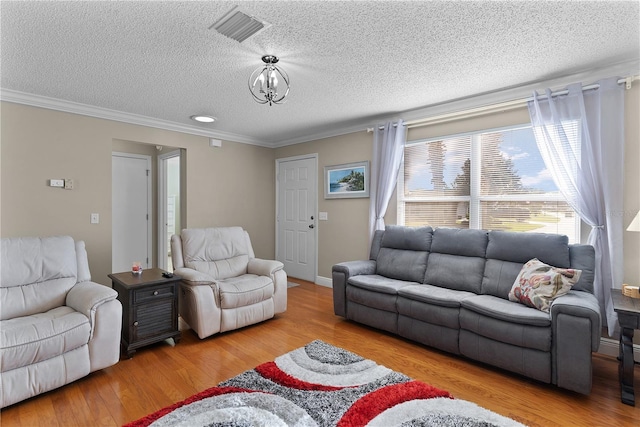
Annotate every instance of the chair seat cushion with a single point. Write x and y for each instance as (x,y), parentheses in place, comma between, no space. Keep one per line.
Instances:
(244,290)
(31,339)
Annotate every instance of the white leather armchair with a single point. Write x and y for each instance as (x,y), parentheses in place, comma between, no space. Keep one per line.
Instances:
(224,286)
(56,325)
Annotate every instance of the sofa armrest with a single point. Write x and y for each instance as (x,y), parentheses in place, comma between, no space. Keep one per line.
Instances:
(340,274)
(576,332)
(86,297)
(579,304)
(263,267)
(275,270)
(193,277)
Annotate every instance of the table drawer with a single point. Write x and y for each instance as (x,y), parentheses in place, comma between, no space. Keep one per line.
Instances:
(153,292)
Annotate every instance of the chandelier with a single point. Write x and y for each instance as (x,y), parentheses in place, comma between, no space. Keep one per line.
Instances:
(269,84)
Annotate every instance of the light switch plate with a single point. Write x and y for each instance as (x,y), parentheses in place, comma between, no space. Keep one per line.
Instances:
(95,218)
(323,216)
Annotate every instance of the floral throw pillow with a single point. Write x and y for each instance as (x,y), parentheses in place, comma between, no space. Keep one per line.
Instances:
(538,284)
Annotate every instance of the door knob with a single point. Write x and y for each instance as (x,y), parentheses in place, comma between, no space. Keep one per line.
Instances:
(311,226)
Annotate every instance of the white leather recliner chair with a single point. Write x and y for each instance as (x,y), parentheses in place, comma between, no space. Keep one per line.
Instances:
(56,325)
(224,286)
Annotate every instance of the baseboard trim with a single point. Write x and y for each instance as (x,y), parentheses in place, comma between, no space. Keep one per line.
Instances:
(324,281)
(610,347)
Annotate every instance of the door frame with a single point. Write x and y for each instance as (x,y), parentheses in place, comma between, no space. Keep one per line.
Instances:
(314,157)
(163,248)
(149,203)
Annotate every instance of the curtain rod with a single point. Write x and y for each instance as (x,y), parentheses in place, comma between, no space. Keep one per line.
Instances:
(627,81)
(493,108)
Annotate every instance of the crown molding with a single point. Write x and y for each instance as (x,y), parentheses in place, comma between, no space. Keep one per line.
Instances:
(521,91)
(509,94)
(18,97)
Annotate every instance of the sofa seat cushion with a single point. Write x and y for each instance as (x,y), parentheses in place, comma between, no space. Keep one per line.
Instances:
(516,334)
(377,283)
(434,295)
(244,290)
(508,311)
(31,339)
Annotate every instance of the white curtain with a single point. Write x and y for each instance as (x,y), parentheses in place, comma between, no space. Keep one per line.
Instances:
(581,138)
(388,148)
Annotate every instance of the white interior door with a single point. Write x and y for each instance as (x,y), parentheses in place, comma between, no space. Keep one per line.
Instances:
(296,216)
(131,211)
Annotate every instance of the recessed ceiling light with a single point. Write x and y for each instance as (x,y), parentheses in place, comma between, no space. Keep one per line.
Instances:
(203,119)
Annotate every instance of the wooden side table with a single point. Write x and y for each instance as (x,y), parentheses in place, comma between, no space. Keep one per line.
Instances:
(149,308)
(628,310)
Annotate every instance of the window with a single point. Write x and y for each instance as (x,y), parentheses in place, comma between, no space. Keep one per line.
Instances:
(493,180)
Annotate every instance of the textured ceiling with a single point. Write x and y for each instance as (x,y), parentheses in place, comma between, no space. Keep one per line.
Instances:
(351,63)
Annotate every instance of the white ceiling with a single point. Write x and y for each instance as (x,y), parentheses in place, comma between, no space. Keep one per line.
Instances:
(351,64)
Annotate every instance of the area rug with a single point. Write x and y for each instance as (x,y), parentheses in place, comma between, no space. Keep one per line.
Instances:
(323,385)
(292,284)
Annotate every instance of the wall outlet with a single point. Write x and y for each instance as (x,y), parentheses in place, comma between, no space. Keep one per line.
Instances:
(56,183)
(95,218)
(68,184)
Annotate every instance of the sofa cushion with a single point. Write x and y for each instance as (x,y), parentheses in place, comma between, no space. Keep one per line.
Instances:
(434,295)
(508,311)
(403,252)
(402,264)
(31,339)
(459,241)
(36,274)
(244,290)
(538,284)
(520,247)
(409,238)
(499,276)
(461,273)
(379,283)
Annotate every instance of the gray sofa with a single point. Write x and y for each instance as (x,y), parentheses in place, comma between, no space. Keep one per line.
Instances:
(448,289)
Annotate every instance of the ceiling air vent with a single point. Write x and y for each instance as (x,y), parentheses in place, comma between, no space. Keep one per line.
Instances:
(239,26)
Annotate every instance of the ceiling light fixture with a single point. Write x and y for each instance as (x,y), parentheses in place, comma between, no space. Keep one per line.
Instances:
(264,81)
(203,119)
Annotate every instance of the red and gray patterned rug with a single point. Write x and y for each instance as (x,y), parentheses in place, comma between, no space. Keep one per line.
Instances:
(323,385)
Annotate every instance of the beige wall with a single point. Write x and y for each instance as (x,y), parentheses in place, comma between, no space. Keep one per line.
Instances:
(231,185)
(632,184)
(344,236)
(234,184)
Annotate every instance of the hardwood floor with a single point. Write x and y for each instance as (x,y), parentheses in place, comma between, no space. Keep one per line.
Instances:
(160,375)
